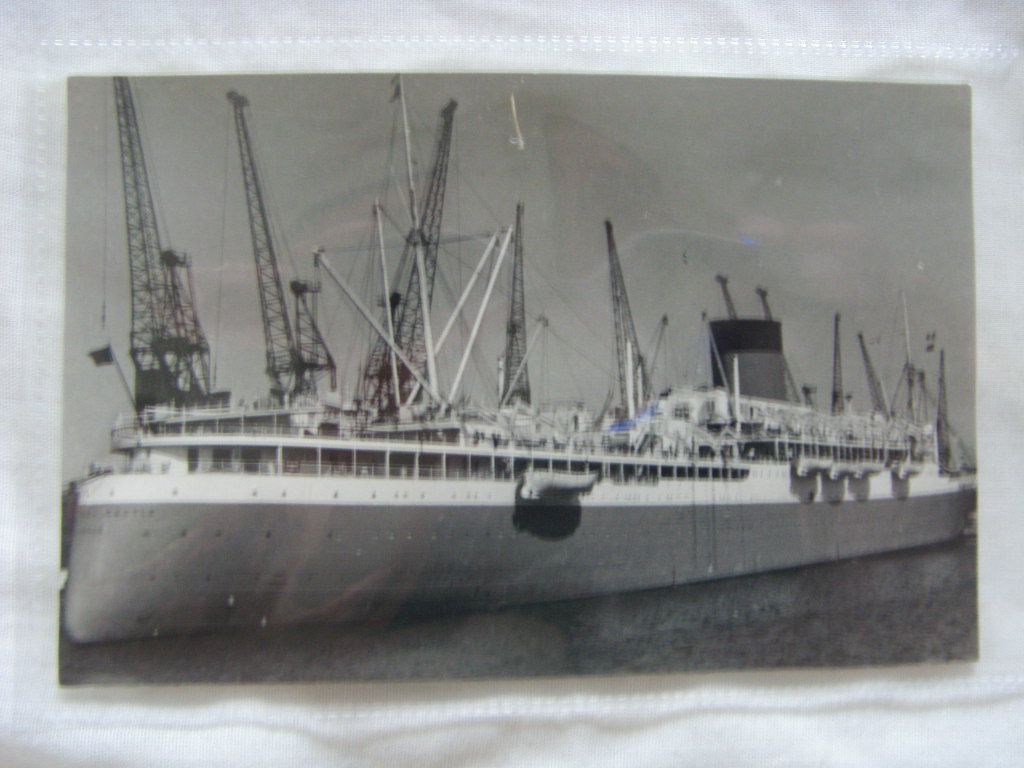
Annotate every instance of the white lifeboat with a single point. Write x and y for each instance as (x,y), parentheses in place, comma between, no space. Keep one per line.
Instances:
(539,484)
(903,470)
(805,465)
(855,469)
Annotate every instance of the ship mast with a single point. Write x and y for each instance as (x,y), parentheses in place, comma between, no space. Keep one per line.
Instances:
(909,376)
(168,347)
(633,383)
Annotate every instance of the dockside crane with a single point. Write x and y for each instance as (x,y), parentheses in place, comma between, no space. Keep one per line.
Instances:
(838,395)
(878,403)
(294,357)
(911,378)
(943,443)
(762,294)
(516,384)
(730,308)
(411,308)
(311,348)
(633,382)
(168,347)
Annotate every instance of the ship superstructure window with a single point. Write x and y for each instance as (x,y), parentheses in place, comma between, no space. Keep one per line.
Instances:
(456,465)
(221,460)
(431,465)
(402,465)
(481,466)
(193,459)
(337,462)
(250,459)
(300,461)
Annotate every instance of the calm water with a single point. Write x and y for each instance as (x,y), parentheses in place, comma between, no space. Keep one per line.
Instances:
(910,606)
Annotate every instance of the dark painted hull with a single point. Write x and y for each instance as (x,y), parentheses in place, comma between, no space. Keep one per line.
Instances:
(172,568)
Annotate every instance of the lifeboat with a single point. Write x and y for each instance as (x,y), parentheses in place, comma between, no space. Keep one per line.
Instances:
(546,484)
(855,469)
(903,470)
(805,465)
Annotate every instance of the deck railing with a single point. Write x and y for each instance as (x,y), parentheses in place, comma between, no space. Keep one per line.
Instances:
(126,435)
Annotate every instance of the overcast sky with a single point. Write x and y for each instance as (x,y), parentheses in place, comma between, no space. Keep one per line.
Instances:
(834,196)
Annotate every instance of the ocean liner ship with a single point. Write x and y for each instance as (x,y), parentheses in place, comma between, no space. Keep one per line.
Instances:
(307,507)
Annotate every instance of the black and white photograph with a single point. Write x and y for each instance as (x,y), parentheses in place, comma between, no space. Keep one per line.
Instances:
(431,376)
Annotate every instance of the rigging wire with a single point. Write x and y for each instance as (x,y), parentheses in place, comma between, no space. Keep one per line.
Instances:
(223,248)
(106,201)
(600,368)
(278,232)
(152,175)
(364,258)
(587,326)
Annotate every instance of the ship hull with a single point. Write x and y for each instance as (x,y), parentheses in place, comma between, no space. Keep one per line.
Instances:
(142,567)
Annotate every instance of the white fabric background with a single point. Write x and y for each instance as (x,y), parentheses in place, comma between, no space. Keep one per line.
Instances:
(929,715)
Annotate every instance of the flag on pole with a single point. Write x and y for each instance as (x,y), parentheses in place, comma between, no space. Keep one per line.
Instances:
(102,356)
